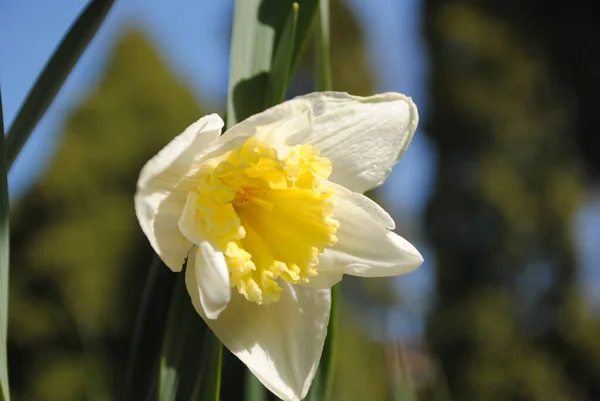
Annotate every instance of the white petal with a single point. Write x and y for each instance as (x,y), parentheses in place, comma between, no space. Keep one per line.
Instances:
(188,222)
(162,190)
(174,160)
(366,248)
(325,279)
(290,121)
(375,212)
(281,343)
(363,137)
(207,278)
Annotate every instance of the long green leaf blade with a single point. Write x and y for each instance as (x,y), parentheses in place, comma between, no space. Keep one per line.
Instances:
(143,363)
(253,389)
(208,384)
(306,19)
(191,357)
(53,76)
(322,387)
(323,57)
(251,53)
(282,63)
(4,262)
(257,29)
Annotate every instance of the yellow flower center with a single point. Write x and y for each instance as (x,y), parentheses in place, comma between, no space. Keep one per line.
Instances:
(269,212)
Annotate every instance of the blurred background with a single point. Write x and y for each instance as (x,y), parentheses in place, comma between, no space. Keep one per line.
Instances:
(500,190)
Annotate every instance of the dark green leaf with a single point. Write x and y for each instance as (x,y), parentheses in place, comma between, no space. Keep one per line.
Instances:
(251,53)
(321,389)
(257,28)
(4,262)
(281,68)
(323,58)
(322,386)
(56,71)
(306,18)
(208,382)
(254,390)
(191,356)
(142,369)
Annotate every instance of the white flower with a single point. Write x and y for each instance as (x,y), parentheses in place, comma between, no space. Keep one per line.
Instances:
(271,215)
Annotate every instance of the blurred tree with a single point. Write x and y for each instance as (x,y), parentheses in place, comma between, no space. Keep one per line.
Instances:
(506,86)
(79,256)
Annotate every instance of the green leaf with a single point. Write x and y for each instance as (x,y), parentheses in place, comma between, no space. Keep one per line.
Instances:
(306,18)
(208,383)
(253,389)
(191,356)
(251,52)
(142,369)
(281,68)
(322,387)
(4,262)
(257,28)
(323,58)
(55,72)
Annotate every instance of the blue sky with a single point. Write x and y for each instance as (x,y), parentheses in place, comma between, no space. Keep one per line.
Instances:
(193,38)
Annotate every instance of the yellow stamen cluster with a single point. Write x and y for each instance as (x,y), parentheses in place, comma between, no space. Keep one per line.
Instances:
(269,212)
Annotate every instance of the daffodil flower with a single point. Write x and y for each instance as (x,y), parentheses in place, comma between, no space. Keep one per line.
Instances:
(270,215)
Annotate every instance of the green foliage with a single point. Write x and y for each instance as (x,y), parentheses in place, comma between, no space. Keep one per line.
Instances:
(323,48)
(257,29)
(282,60)
(80,258)
(144,357)
(190,359)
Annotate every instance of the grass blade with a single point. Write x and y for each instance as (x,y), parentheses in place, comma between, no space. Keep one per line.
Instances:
(142,369)
(189,366)
(208,384)
(53,76)
(4,262)
(282,63)
(253,389)
(323,57)
(306,18)
(322,387)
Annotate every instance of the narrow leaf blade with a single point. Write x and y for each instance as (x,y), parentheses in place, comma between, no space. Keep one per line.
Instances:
(306,20)
(4,262)
(191,356)
(254,390)
(257,29)
(251,53)
(281,68)
(142,369)
(322,387)
(323,58)
(53,76)
(208,384)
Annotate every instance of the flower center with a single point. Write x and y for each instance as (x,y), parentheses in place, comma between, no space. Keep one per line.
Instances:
(268,210)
